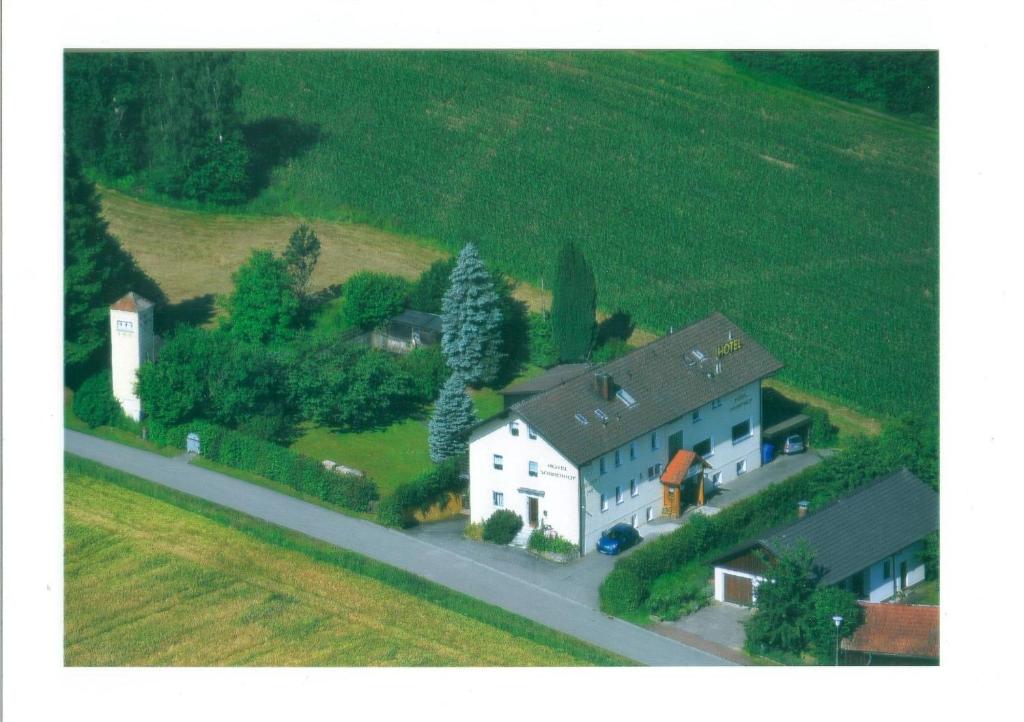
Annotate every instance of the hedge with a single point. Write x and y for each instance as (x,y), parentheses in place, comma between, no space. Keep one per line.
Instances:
(430,488)
(94,402)
(906,443)
(272,461)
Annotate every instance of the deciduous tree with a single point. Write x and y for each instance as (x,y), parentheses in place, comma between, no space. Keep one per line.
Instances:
(301,256)
(371,298)
(263,306)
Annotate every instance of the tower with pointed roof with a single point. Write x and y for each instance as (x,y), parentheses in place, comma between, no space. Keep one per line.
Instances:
(132,343)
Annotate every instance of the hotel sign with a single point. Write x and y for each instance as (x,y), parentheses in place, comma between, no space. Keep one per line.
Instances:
(729,347)
(557,470)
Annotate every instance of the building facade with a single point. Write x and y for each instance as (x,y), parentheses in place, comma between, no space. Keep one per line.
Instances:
(132,343)
(589,451)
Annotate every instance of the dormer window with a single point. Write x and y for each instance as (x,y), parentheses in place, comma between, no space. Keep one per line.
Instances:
(513,428)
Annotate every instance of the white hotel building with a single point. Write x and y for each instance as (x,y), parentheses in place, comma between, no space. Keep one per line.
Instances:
(584,448)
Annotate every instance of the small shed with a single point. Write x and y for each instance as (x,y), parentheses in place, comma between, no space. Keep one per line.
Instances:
(408,330)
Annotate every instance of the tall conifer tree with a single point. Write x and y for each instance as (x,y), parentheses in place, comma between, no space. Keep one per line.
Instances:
(452,420)
(573,306)
(471,320)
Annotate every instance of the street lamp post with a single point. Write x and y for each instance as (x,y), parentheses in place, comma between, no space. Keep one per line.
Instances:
(838,621)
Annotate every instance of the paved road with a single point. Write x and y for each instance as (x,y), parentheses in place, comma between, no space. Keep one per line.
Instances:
(432,562)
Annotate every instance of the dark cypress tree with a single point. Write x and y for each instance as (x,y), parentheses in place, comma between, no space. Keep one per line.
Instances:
(573,305)
(452,421)
(471,321)
(97,271)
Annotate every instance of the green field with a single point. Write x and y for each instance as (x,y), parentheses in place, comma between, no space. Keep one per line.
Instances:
(155,578)
(810,222)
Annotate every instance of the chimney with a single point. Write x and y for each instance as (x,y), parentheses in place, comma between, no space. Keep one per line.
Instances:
(603,385)
(801,509)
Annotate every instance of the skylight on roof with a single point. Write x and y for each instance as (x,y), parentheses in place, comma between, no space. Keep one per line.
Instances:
(625,397)
(600,414)
(698,354)
(582,419)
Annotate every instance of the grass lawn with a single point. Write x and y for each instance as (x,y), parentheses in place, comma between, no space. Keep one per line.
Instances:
(927,592)
(154,578)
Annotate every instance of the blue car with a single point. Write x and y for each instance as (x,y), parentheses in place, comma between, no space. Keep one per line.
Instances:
(618,539)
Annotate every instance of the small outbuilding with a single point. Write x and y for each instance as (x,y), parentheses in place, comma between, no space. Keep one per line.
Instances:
(869,542)
(895,634)
(408,330)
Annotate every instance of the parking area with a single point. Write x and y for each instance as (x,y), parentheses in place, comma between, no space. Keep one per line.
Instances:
(719,623)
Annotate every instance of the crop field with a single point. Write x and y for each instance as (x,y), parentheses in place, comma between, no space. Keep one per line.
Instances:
(691,186)
(154,578)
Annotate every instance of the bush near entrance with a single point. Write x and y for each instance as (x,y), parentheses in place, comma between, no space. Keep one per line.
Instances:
(502,526)
(94,402)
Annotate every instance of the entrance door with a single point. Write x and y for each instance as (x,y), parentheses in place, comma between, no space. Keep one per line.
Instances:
(533,512)
(903,575)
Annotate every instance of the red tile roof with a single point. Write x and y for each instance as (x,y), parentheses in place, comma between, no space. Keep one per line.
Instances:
(131,301)
(905,630)
(676,470)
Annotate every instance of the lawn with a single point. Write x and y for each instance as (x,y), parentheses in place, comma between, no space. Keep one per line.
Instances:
(394,455)
(155,578)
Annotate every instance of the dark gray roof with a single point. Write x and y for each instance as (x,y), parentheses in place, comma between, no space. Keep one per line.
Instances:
(419,319)
(548,380)
(663,377)
(876,521)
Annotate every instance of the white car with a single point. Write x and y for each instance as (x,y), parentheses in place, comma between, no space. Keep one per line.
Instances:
(793,445)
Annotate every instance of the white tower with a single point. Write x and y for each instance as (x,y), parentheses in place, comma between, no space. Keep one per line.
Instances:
(131,345)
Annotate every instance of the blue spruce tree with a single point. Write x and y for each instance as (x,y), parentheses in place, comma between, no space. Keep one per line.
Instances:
(453,419)
(471,320)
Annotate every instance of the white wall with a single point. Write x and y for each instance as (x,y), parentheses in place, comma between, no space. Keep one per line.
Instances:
(879,588)
(131,344)
(557,477)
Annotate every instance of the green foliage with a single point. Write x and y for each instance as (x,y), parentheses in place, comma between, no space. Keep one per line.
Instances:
(515,331)
(823,433)
(682,591)
(502,527)
(345,386)
(573,305)
(471,320)
(169,119)
(97,271)
(904,443)
(430,488)
(372,298)
(613,349)
(263,306)
(930,556)
(541,541)
(300,258)
(827,602)
(274,462)
(428,291)
(94,402)
(543,351)
(784,604)
(215,376)
(903,83)
(426,368)
(452,421)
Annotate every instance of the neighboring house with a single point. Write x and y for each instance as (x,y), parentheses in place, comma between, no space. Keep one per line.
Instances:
(588,448)
(895,634)
(132,343)
(554,376)
(408,330)
(868,542)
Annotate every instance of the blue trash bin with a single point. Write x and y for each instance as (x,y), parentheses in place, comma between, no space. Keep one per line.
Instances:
(767,453)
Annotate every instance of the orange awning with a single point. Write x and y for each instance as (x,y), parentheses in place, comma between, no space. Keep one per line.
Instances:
(679,467)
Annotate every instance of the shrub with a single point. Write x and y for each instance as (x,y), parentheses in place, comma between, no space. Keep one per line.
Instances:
(430,488)
(823,433)
(541,540)
(610,351)
(427,371)
(274,462)
(826,603)
(94,402)
(543,351)
(474,530)
(502,527)
(682,591)
(372,298)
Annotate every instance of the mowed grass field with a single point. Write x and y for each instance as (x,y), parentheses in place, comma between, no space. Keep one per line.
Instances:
(157,578)
(691,186)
